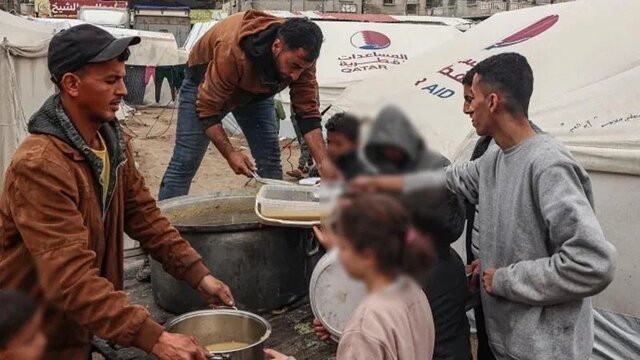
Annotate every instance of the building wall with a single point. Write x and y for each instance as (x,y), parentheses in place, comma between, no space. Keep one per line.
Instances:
(394,7)
(480,8)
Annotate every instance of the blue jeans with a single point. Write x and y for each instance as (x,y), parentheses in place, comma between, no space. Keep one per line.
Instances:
(257,121)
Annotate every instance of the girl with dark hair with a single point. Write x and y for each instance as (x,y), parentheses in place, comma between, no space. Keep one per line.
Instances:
(378,246)
(21,336)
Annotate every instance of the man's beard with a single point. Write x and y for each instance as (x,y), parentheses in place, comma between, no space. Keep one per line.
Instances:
(276,64)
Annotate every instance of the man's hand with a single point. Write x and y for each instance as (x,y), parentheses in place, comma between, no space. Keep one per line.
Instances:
(215,292)
(391,183)
(240,163)
(274,355)
(328,170)
(487,280)
(475,276)
(320,330)
(178,347)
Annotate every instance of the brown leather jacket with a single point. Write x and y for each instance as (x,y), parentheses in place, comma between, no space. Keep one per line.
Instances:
(234,78)
(61,244)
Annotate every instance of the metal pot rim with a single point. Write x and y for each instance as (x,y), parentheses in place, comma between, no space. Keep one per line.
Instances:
(240,313)
(172,204)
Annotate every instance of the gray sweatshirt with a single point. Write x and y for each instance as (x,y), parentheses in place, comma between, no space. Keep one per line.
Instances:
(542,236)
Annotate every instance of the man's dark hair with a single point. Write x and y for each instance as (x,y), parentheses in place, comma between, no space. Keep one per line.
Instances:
(438,213)
(302,33)
(509,75)
(17,311)
(468,77)
(345,124)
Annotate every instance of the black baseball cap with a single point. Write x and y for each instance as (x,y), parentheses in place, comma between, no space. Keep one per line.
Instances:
(73,48)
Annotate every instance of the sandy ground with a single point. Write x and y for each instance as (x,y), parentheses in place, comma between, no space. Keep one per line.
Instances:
(154,132)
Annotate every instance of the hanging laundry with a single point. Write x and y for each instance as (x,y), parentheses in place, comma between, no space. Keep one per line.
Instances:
(149,72)
(174,75)
(134,81)
(179,74)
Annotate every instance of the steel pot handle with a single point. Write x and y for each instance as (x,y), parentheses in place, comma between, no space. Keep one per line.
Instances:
(314,243)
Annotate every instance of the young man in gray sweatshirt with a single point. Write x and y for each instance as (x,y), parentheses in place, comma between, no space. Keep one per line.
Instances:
(544,254)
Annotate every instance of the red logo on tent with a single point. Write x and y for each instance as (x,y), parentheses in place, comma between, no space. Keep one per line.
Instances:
(527,33)
(370,40)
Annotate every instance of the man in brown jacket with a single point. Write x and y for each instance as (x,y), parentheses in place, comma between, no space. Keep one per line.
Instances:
(237,67)
(69,195)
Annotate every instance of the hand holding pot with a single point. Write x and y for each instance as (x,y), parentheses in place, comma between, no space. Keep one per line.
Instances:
(215,292)
(274,355)
(178,347)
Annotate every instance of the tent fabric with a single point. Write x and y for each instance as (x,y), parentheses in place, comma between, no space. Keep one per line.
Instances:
(587,81)
(155,49)
(197,31)
(354,51)
(23,58)
(24,84)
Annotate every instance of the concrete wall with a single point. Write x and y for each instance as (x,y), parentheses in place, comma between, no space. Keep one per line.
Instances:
(301,5)
(481,8)
(398,7)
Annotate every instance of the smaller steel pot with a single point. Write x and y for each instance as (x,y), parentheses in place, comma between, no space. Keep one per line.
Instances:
(220,326)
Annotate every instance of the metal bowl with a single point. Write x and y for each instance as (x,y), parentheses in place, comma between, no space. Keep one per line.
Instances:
(220,326)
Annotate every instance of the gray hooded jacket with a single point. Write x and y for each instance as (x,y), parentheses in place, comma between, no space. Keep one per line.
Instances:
(393,128)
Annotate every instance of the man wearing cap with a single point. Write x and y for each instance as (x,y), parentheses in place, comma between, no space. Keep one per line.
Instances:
(237,67)
(69,195)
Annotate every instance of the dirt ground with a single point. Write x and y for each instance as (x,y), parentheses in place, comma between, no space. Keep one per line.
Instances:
(154,131)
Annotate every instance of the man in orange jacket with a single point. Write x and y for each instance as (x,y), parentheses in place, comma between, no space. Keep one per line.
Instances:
(69,195)
(237,67)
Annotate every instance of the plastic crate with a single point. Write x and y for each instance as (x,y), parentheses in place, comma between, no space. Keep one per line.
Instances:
(290,205)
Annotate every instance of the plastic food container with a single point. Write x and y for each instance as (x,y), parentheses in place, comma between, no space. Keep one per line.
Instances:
(290,205)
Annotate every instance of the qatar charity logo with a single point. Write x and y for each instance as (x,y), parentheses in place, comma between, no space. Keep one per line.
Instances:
(370,40)
(527,33)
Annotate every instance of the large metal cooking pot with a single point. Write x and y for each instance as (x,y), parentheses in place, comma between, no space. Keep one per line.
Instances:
(223,326)
(266,267)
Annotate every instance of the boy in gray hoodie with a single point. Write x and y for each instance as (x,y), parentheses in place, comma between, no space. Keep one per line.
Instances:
(544,254)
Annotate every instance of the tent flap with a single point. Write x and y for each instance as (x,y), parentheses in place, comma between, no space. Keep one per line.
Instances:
(586,87)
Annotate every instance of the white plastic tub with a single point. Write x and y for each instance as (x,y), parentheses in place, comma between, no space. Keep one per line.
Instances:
(291,205)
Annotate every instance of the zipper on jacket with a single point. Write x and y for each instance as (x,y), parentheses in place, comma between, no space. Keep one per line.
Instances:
(107,203)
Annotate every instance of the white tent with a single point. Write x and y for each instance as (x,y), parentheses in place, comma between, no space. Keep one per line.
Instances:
(24,83)
(197,31)
(353,51)
(587,86)
(155,49)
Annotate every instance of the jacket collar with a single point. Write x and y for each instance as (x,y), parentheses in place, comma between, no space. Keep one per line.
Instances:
(52,120)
